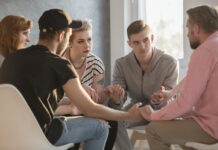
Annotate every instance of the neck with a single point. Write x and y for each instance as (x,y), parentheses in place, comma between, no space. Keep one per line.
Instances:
(50,45)
(78,62)
(74,58)
(144,61)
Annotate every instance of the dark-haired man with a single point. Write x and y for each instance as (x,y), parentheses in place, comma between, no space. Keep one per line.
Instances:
(198,100)
(42,77)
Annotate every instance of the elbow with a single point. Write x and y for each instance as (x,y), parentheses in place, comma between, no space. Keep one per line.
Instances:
(90,112)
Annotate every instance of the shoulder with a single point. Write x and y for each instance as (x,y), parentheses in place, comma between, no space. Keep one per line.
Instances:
(165,58)
(125,59)
(91,58)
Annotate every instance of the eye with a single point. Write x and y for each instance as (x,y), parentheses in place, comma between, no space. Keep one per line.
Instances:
(80,41)
(145,40)
(136,42)
(89,40)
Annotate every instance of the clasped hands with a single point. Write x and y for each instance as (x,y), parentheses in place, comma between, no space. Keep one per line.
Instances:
(114,92)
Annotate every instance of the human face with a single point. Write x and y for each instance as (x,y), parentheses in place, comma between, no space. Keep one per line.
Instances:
(23,38)
(81,44)
(141,43)
(63,44)
(193,39)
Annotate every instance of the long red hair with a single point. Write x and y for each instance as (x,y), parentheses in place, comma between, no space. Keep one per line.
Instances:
(10,27)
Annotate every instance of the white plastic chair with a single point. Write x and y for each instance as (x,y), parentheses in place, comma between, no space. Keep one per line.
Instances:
(201,146)
(19,130)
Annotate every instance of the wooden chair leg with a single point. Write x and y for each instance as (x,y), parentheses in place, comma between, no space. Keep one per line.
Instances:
(172,147)
(141,145)
(133,139)
(137,136)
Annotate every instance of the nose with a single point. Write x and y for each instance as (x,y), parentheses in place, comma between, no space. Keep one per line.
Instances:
(87,44)
(28,39)
(142,45)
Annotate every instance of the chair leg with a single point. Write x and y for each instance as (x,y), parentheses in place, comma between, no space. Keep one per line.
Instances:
(137,136)
(133,139)
(172,147)
(141,145)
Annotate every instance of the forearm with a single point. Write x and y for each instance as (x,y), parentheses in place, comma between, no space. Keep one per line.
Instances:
(89,108)
(63,110)
(100,111)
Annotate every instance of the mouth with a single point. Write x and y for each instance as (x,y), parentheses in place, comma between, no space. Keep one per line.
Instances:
(86,51)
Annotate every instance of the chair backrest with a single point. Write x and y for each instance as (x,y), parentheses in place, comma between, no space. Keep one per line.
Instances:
(18,127)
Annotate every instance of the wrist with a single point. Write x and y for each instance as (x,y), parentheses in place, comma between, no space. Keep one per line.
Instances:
(172,92)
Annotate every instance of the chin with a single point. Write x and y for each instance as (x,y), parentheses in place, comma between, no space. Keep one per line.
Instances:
(85,54)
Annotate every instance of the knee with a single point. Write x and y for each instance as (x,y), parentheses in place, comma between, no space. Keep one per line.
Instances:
(150,129)
(103,129)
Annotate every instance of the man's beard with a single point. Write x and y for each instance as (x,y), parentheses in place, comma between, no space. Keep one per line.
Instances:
(194,44)
(60,49)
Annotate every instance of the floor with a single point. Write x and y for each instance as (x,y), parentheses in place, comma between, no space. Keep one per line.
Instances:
(146,147)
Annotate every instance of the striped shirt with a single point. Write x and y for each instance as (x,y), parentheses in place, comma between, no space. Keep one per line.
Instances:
(94,67)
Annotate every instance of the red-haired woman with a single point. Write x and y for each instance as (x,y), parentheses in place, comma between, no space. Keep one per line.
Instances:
(14,34)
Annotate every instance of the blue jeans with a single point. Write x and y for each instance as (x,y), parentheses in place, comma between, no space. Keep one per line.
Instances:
(92,132)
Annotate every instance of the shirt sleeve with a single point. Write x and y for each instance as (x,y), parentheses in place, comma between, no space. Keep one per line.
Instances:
(118,75)
(118,78)
(63,71)
(194,86)
(171,78)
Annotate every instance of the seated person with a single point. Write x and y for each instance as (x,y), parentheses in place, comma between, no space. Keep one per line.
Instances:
(90,69)
(197,102)
(140,74)
(14,34)
(43,77)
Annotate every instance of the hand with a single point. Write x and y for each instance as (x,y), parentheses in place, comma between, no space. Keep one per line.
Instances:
(91,92)
(115,92)
(134,114)
(146,112)
(160,96)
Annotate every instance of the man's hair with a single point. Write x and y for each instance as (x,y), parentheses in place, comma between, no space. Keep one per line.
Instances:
(204,16)
(86,26)
(10,27)
(50,35)
(136,27)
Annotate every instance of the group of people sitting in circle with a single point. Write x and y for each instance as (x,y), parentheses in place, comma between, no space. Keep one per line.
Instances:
(60,77)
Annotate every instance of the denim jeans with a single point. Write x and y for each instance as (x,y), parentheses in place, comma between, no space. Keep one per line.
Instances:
(92,132)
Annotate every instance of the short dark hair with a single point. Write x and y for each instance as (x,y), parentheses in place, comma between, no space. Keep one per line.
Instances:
(136,27)
(205,16)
